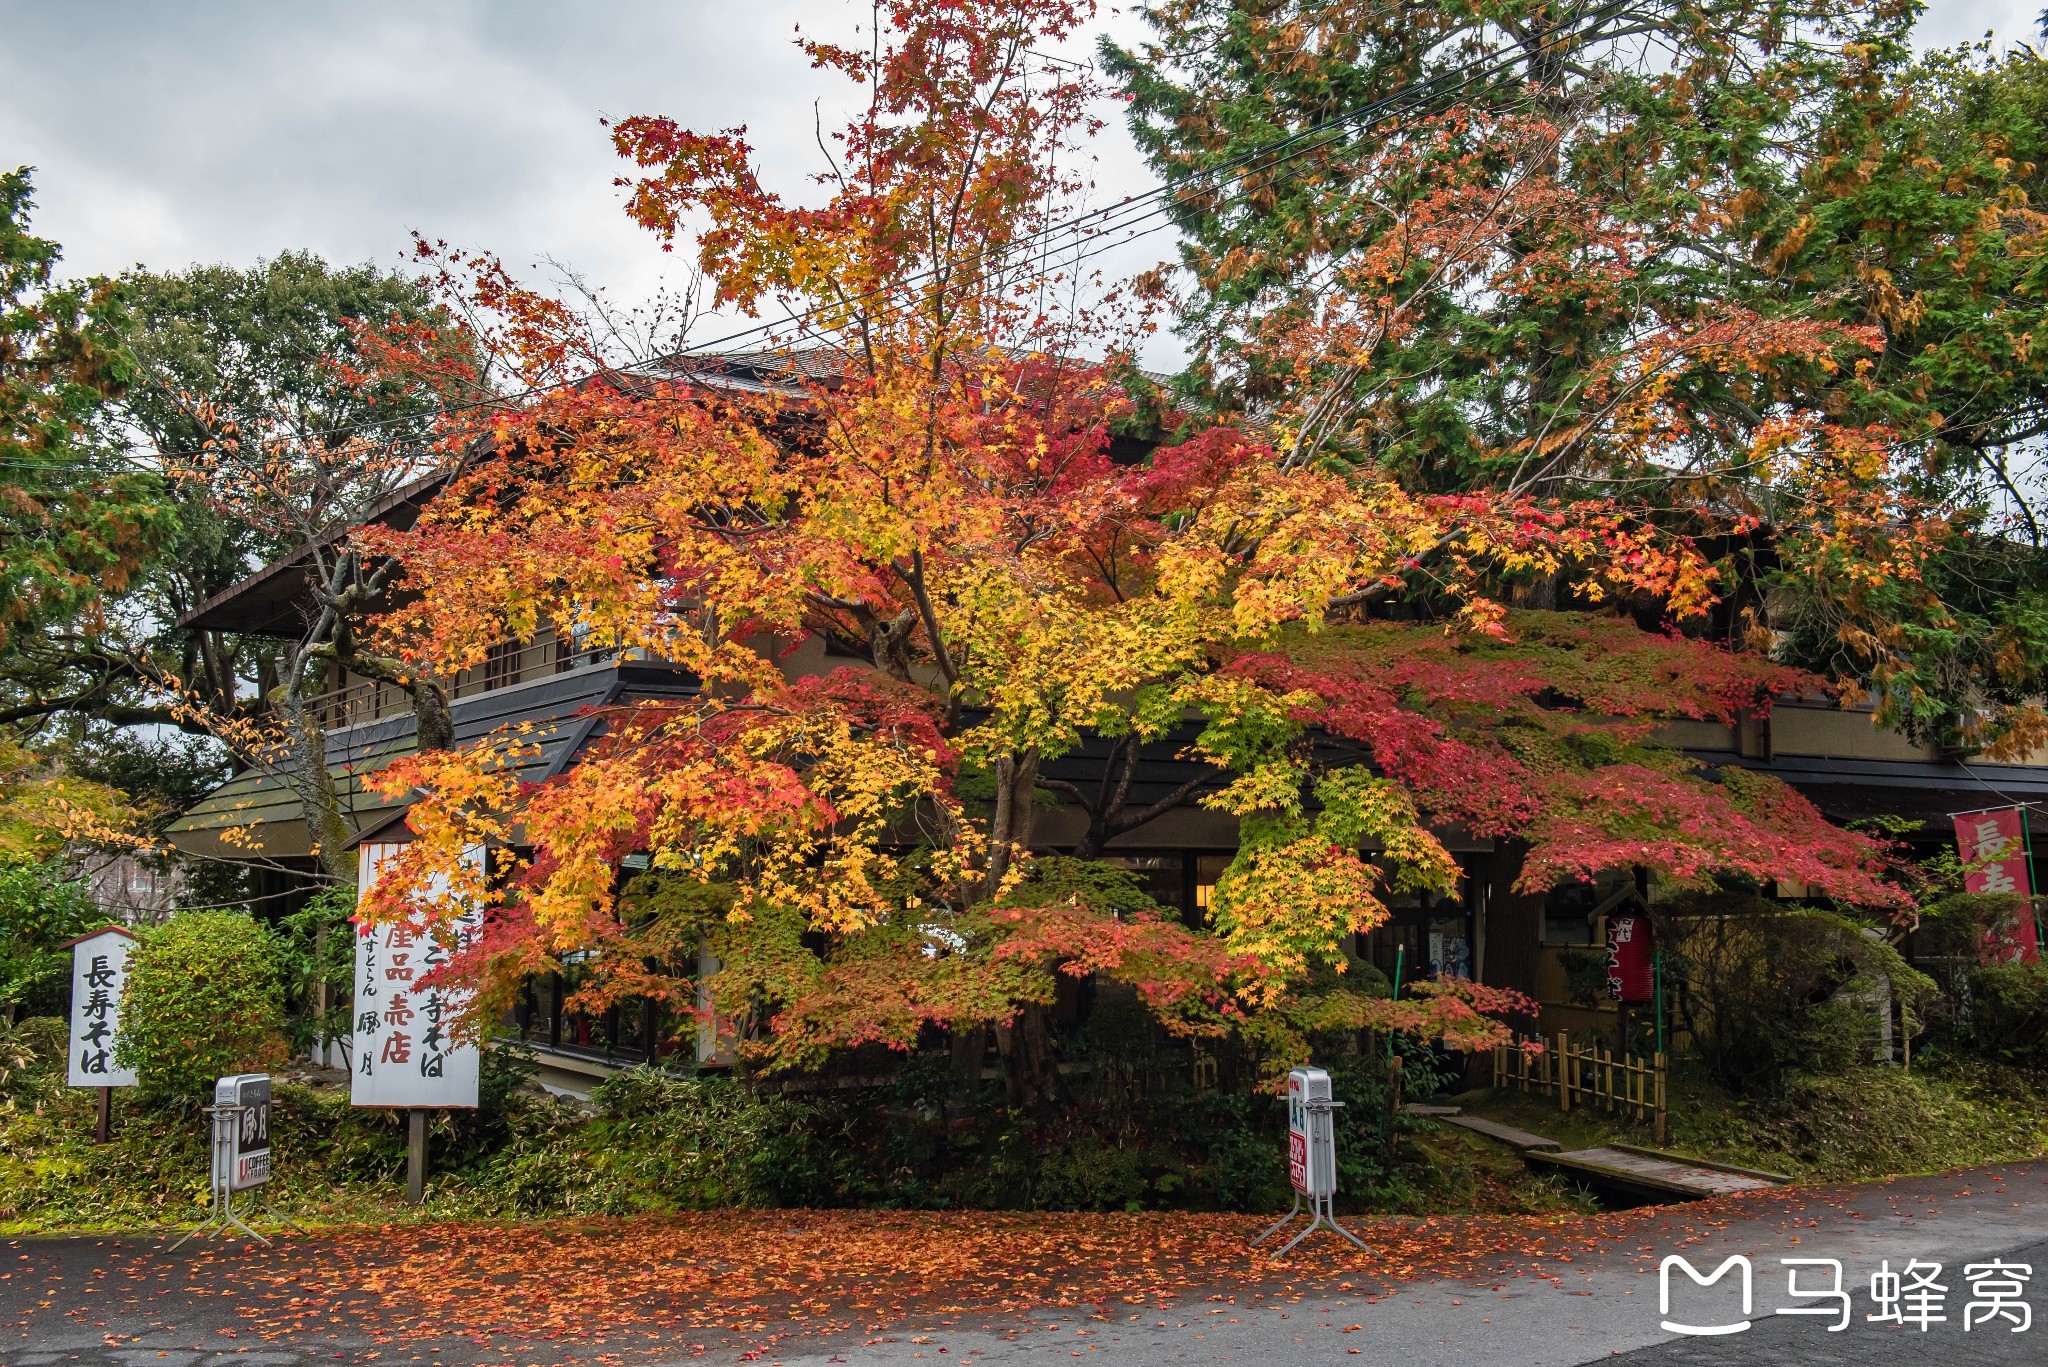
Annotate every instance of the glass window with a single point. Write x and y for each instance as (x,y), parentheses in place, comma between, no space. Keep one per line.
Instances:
(1208,870)
(538,1007)
(629,1029)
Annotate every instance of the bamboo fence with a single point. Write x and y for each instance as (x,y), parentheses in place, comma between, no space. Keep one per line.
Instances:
(1588,1075)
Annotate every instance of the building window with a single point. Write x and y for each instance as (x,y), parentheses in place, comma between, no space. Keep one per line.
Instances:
(1208,871)
(502,664)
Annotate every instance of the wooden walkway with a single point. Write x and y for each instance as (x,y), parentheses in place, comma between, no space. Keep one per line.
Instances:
(1651,1174)
(1637,1174)
(1521,1140)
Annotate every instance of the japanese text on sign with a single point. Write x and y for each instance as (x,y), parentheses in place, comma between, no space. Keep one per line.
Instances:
(1993,849)
(99,976)
(405,1052)
(1311,1133)
(1629,971)
(242,1128)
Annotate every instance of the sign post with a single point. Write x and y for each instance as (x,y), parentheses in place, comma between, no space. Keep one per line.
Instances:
(405,1054)
(1311,1156)
(240,1153)
(99,978)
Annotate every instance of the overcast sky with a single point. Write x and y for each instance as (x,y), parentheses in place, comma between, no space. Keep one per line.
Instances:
(166,134)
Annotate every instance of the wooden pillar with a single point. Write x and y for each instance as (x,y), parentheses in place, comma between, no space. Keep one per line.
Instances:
(416,1156)
(1513,925)
(103,1121)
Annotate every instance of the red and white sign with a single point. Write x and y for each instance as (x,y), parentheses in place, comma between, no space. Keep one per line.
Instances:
(405,1052)
(2014,942)
(1297,1132)
(1629,977)
(1311,1133)
(1993,848)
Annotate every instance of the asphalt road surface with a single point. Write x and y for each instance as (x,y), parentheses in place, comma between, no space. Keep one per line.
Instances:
(60,1304)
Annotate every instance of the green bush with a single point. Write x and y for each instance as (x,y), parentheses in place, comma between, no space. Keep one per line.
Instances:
(2008,1012)
(1770,991)
(205,998)
(40,909)
(32,1059)
(1995,1011)
(657,1142)
(316,948)
(1870,1122)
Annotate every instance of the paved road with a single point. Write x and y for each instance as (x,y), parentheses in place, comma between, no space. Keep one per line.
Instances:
(59,1304)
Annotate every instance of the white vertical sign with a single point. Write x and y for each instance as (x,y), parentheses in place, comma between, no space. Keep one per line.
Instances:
(99,976)
(1311,1133)
(405,1054)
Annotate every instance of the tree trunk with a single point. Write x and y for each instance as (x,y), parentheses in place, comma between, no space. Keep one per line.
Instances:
(970,1042)
(1031,1078)
(433,723)
(1016,812)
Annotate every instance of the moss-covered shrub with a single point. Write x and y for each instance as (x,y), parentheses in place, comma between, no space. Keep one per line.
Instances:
(1872,1122)
(1994,1011)
(40,908)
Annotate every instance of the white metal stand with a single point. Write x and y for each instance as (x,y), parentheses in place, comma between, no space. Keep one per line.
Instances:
(1322,1208)
(221,1218)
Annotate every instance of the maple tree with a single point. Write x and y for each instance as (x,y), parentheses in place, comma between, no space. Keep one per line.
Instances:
(171,434)
(921,476)
(1918,212)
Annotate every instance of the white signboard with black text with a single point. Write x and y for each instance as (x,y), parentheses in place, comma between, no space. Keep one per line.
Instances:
(99,977)
(405,1053)
(242,1112)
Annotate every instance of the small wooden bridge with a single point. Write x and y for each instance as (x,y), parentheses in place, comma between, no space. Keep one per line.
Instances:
(1643,1176)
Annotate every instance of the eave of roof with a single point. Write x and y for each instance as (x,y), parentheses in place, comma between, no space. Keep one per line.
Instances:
(267,603)
(272,601)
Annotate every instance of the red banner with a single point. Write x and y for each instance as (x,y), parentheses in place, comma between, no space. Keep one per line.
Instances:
(2013,942)
(1628,959)
(1993,848)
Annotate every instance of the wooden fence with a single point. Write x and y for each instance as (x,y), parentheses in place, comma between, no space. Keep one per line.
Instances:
(1588,1074)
